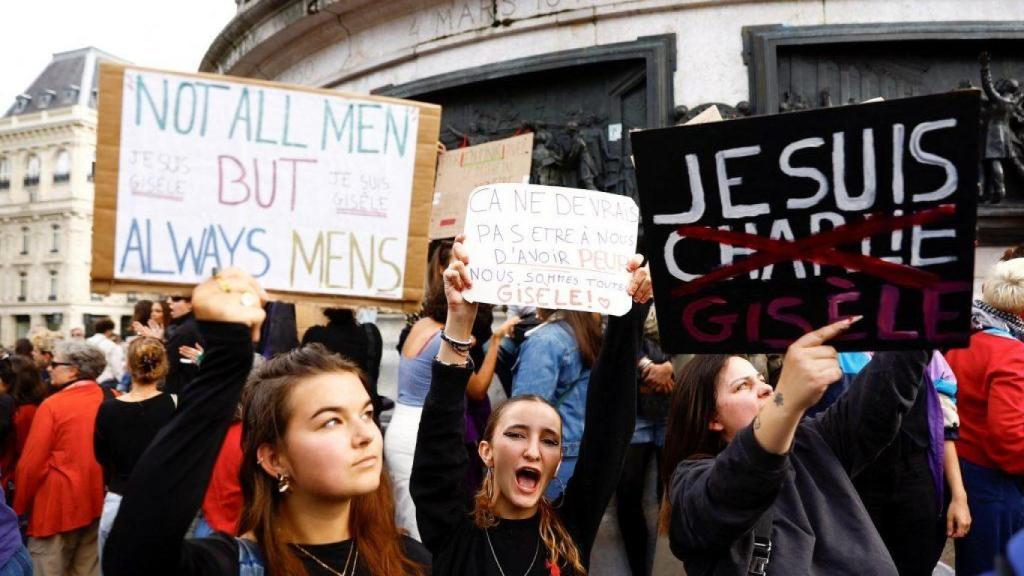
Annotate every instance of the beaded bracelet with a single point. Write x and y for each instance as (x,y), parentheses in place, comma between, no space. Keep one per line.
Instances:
(462,347)
(467,364)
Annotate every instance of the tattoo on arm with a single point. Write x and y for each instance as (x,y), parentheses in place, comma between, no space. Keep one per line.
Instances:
(779,400)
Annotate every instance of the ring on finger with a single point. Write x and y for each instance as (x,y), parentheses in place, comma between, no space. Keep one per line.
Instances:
(249,300)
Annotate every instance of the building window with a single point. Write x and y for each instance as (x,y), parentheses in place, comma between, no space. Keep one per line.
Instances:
(24,240)
(22,323)
(71,94)
(32,171)
(22,286)
(53,285)
(54,321)
(132,297)
(5,174)
(21,103)
(62,173)
(96,297)
(46,98)
(56,239)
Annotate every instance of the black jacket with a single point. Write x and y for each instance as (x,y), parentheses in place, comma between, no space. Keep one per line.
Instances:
(819,524)
(180,332)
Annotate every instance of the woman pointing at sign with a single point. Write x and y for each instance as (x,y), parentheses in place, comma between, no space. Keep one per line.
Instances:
(511,528)
(754,484)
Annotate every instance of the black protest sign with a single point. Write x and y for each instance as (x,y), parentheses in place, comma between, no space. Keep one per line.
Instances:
(760,229)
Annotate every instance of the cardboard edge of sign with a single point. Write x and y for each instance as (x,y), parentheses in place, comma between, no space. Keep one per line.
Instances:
(108,154)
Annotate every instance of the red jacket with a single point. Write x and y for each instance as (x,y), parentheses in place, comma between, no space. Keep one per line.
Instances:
(59,483)
(222,505)
(990,400)
(23,416)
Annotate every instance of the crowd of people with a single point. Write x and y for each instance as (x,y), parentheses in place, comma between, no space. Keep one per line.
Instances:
(183,450)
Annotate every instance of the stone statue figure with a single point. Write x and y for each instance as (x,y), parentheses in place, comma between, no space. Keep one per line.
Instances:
(1001,111)
(580,158)
(546,161)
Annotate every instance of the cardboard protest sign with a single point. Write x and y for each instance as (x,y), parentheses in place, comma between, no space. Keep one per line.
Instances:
(550,247)
(760,229)
(312,191)
(462,170)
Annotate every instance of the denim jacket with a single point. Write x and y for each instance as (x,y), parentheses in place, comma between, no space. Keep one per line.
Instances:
(551,367)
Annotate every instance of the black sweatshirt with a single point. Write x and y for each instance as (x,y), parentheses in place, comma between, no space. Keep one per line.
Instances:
(458,545)
(168,483)
(819,524)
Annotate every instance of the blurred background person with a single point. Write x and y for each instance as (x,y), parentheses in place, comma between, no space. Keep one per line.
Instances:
(59,483)
(127,424)
(104,340)
(990,377)
(21,382)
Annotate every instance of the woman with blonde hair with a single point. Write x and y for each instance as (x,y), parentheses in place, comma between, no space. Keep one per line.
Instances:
(316,499)
(512,528)
(990,401)
(125,425)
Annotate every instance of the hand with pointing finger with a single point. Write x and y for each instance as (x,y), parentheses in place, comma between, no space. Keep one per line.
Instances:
(809,368)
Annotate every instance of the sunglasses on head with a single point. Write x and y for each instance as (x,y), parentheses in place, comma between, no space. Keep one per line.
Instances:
(180,299)
(54,363)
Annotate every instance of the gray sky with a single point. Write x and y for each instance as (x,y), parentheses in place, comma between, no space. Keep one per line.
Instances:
(172,35)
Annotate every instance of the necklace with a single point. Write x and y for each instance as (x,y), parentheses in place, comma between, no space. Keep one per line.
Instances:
(344,569)
(501,570)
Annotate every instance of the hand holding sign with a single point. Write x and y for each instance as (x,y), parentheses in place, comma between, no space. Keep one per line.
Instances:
(550,247)
(461,312)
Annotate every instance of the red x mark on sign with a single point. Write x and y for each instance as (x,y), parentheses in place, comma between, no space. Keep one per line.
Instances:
(819,249)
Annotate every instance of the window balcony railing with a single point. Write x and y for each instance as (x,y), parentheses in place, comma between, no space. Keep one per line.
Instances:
(31,180)
(58,178)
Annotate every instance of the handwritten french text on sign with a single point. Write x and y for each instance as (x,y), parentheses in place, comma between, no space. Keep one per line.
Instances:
(462,170)
(309,191)
(761,229)
(550,247)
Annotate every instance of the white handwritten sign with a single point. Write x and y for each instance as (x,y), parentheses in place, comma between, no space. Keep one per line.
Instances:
(311,191)
(550,247)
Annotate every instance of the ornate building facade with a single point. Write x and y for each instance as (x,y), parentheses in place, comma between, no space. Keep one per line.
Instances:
(581,73)
(47,151)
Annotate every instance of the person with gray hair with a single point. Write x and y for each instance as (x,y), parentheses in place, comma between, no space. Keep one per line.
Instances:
(990,400)
(60,484)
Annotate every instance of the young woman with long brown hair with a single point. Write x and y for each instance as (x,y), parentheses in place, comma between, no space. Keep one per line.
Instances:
(751,482)
(418,345)
(511,528)
(316,499)
(554,363)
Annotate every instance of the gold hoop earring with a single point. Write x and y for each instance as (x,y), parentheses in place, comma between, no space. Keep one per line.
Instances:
(283,486)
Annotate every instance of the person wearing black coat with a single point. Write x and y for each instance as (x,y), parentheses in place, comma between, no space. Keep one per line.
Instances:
(181,331)
(756,483)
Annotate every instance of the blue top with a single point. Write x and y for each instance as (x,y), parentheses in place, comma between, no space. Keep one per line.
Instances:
(414,373)
(551,367)
(10,536)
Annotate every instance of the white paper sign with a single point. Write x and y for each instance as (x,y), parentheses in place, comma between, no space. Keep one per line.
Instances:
(550,247)
(308,191)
